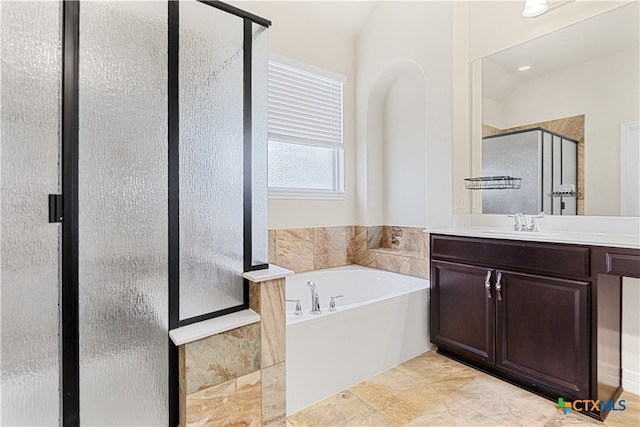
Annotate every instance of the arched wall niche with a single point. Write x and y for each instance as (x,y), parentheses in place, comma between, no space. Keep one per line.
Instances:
(396,146)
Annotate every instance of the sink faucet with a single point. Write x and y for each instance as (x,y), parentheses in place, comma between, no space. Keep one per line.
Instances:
(534,226)
(520,222)
(315,300)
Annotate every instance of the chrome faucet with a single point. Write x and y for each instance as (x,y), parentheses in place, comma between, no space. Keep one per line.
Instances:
(315,300)
(298,309)
(534,226)
(520,222)
(332,302)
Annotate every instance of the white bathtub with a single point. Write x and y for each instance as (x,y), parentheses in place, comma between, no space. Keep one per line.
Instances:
(380,322)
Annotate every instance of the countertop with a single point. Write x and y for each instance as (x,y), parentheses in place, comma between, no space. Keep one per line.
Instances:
(573,237)
(596,231)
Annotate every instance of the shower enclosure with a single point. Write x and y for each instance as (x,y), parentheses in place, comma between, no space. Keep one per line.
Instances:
(133,165)
(547,164)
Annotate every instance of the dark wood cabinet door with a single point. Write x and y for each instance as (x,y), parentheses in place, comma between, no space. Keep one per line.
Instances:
(462,314)
(542,333)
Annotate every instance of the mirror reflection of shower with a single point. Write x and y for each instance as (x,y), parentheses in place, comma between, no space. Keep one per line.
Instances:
(546,162)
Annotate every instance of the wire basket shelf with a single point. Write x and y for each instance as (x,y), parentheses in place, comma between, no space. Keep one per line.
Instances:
(492,183)
(566,190)
(566,194)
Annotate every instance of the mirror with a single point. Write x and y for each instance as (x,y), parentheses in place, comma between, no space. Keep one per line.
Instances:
(581,84)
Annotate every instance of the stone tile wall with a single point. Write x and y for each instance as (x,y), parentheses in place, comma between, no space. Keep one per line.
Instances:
(402,250)
(237,377)
(306,249)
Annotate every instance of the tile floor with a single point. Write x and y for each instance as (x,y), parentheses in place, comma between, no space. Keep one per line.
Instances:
(432,390)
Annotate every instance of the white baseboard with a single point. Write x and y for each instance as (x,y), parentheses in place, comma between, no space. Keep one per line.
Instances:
(631,381)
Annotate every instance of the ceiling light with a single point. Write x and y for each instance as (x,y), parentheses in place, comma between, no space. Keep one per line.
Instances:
(534,8)
(524,68)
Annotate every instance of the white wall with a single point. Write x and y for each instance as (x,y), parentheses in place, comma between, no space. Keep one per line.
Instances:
(492,113)
(396,37)
(405,151)
(307,41)
(493,26)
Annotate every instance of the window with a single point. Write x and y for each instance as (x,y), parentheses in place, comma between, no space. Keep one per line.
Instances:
(305,131)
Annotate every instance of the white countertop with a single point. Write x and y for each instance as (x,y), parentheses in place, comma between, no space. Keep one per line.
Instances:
(581,238)
(272,273)
(597,231)
(206,328)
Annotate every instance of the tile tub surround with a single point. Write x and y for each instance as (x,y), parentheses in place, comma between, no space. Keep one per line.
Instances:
(307,249)
(402,250)
(237,377)
(431,389)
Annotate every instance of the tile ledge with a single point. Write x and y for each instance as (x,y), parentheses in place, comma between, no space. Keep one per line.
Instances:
(272,273)
(207,328)
(399,252)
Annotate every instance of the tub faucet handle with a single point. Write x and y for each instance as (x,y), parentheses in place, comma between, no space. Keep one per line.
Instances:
(298,309)
(332,302)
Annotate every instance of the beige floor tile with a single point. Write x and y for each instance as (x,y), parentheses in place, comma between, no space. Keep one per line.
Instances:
(433,390)
(341,409)
(431,367)
(630,416)
(397,395)
(453,413)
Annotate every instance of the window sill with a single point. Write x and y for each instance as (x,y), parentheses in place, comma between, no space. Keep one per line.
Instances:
(295,194)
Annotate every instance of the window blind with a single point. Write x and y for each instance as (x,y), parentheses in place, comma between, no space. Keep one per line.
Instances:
(304,107)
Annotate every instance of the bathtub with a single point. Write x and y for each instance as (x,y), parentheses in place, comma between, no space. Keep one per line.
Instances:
(380,322)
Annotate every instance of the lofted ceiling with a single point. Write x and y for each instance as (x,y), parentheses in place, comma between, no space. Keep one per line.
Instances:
(346,18)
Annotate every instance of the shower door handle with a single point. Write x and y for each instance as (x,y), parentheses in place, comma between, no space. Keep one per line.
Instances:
(55,208)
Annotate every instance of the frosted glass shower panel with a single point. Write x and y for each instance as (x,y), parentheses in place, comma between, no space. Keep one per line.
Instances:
(122,212)
(259,212)
(303,166)
(211,160)
(516,155)
(30,106)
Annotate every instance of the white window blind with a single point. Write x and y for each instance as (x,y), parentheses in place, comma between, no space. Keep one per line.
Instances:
(304,107)
(305,131)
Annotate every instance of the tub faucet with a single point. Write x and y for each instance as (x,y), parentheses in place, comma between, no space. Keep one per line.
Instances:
(315,300)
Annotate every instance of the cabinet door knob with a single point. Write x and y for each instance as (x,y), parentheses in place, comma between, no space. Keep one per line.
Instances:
(487,284)
(499,286)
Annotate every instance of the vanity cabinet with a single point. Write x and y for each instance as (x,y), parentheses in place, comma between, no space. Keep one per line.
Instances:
(467,322)
(542,333)
(533,326)
(528,312)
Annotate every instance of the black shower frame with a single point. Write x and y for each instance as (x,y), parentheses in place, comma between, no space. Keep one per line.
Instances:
(70,354)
